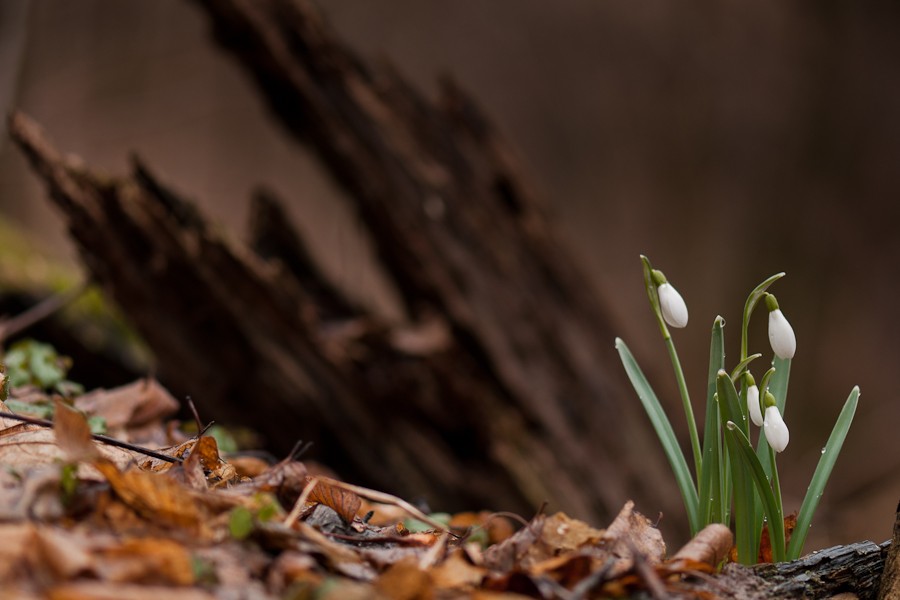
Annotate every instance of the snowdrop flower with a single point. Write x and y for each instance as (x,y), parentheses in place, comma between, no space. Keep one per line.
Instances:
(753,400)
(781,334)
(776,431)
(674,310)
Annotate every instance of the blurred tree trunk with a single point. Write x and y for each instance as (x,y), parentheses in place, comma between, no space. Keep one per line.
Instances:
(502,391)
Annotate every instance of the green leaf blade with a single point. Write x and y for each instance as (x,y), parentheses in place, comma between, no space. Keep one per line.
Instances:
(711,510)
(822,473)
(773,511)
(664,432)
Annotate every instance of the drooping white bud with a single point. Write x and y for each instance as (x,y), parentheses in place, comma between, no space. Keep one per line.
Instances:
(753,405)
(674,310)
(776,431)
(781,334)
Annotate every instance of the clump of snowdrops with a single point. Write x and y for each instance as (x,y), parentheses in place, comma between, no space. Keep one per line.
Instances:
(730,479)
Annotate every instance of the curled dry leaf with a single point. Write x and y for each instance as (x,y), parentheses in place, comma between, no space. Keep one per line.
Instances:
(711,545)
(632,532)
(343,502)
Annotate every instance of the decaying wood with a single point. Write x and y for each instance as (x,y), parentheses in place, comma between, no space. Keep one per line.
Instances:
(853,568)
(890,579)
(495,394)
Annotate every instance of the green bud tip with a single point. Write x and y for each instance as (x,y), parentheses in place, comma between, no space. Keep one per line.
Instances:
(748,378)
(769,399)
(771,302)
(658,277)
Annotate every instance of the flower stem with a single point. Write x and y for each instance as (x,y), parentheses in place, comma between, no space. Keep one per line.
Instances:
(688,409)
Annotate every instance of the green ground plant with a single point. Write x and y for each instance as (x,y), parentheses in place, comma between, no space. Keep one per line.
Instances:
(730,481)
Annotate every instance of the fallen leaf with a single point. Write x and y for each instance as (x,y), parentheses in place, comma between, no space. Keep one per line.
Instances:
(17,538)
(404,581)
(99,590)
(632,532)
(341,501)
(65,554)
(132,405)
(146,560)
(711,545)
(153,496)
(506,555)
(563,534)
(73,434)
(457,573)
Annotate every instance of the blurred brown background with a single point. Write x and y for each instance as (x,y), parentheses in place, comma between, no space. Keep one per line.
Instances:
(726,140)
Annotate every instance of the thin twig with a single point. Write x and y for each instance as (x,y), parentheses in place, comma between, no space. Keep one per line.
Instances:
(300,503)
(38,312)
(100,438)
(647,574)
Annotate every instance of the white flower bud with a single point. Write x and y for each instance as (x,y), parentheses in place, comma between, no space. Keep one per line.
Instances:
(753,405)
(674,310)
(776,431)
(781,335)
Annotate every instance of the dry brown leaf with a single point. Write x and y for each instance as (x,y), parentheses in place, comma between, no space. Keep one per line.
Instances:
(153,496)
(293,567)
(64,553)
(405,581)
(17,539)
(457,573)
(248,466)
(25,447)
(633,532)
(73,434)
(506,555)
(286,480)
(711,545)
(563,534)
(343,502)
(498,527)
(132,405)
(99,590)
(149,560)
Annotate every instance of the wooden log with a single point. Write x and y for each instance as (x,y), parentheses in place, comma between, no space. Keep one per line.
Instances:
(854,568)
(502,390)
(890,579)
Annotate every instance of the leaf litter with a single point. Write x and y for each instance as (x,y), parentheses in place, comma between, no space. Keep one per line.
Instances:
(82,519)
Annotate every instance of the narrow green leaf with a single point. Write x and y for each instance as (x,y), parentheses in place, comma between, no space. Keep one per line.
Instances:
(710,484)
(822,473)
(742,366)
(773,510)
(744,531)
(664,432)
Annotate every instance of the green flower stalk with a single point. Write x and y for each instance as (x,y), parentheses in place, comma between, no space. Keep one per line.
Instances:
(731,481)
(670,308)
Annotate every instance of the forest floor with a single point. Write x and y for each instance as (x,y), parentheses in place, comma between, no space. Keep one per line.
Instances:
(146,509)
